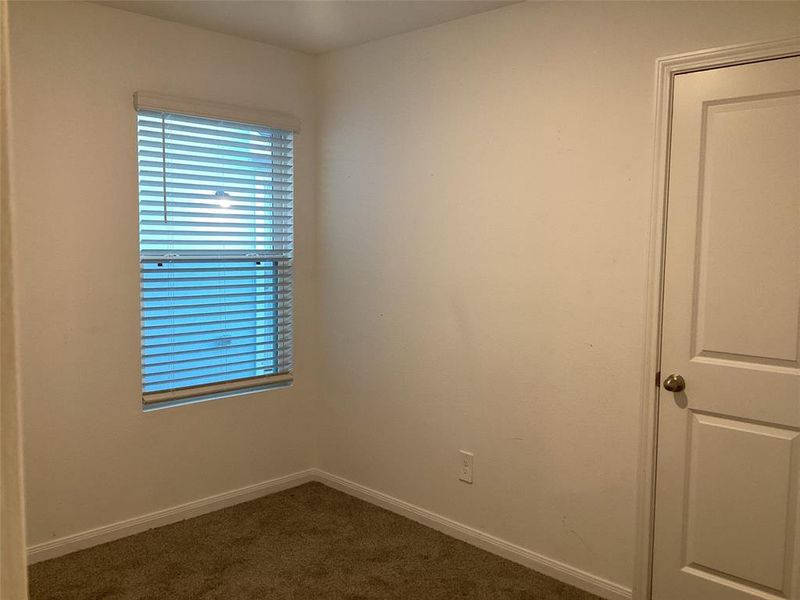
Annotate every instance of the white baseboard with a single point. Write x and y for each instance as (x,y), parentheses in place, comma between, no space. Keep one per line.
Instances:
(121,529)
(542,564)
(528,558)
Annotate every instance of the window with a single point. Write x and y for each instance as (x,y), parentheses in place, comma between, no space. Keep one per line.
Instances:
(215,243)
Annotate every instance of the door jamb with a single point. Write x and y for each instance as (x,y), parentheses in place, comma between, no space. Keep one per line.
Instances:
(666,69)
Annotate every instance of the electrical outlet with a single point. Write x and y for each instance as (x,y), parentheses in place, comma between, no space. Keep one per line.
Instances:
(465,466)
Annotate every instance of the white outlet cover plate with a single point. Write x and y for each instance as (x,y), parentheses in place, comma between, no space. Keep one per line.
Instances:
(466,460)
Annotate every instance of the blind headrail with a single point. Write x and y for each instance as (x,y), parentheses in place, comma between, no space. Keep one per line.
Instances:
(215,110)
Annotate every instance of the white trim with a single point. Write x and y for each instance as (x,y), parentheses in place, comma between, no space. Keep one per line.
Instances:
(121,529)
(518,554)
(215,110)
(236,387)
(666,69)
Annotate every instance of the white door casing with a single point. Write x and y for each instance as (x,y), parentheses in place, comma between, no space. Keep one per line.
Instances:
(728,449)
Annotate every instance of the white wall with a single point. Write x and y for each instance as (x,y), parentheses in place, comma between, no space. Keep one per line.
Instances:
(13,581)
(92,457)
(484,193)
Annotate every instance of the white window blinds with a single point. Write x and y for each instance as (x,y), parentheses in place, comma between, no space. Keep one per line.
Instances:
(215,241)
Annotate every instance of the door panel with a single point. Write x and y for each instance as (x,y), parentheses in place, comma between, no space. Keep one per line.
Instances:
(729,445)
(737,511)
(748,256)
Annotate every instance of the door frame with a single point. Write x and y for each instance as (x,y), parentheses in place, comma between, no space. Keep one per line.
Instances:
(666,69)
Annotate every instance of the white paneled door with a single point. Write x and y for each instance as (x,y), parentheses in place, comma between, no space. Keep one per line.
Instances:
(727,507)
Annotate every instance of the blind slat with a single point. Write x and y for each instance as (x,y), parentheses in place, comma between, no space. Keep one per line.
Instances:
(204,295)
(173,382)
(193,345)
(176,148)
(187,165)
(186,347)
(228,353)
(175,185)
(204,199)
(176,310)
(204,367)
(150,151)
(215,333)
(185,290)
(206,133)
(174,329)
(179,177)
(270,152)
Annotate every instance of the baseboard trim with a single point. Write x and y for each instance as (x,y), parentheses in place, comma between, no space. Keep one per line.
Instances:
(547,566)
(121,529)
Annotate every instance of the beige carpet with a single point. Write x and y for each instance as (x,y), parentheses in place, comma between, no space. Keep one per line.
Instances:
(307,543)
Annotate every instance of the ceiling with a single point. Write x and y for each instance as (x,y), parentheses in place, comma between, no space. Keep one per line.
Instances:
(314,26)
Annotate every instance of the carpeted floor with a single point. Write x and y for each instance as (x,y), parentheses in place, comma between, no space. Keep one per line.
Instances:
(307,543)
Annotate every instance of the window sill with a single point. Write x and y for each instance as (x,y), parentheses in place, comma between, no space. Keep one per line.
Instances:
(156,406)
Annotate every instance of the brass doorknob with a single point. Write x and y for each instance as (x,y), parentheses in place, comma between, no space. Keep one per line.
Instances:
(674,383)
